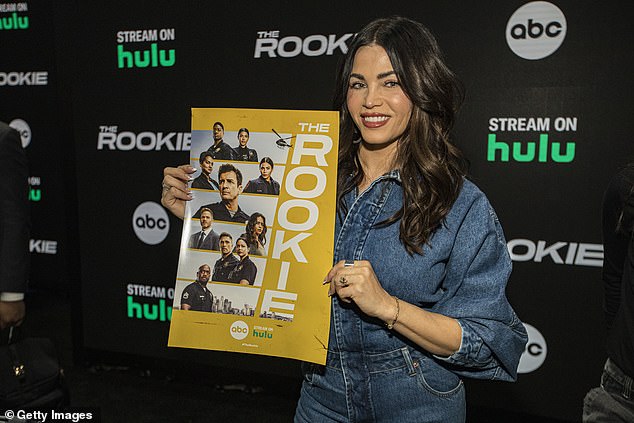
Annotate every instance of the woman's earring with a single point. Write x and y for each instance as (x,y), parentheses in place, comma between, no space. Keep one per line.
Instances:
(358,137)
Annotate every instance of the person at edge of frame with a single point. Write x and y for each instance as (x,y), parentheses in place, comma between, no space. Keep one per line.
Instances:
(613,400)
(15,227)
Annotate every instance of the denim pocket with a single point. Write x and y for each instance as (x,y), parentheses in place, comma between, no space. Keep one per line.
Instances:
(435,378)
(312,372)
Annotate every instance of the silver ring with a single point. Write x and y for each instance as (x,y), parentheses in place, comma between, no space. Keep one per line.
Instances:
(166,187)
(343,282)
(348,263)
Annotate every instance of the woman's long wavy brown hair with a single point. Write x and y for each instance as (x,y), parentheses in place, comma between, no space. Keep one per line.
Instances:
(431,167)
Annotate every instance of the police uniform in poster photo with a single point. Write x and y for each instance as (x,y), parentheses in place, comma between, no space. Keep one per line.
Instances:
(220,150)
(196,296)
(264,184)
(244,153)
(245,271)
(225,264)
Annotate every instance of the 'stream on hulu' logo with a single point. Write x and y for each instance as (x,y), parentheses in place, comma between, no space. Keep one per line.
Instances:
(145,57)
(150,223)
(538,147)
(13,20)
(24,129)
(535,353)
(239,330)
(536,30)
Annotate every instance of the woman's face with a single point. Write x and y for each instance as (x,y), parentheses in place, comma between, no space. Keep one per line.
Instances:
(207,165)
(219,132)
(265,170)
(243,138)
(376,102)
(241,248)
(258,228)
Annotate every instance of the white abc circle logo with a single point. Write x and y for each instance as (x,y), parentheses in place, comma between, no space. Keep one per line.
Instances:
(150,223)
(535,353)
(24,129)
(239,330)
(536,30)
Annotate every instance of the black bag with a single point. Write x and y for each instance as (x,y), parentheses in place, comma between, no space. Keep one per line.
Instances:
(30,374)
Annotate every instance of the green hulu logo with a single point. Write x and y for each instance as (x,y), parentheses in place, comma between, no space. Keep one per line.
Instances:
(152,57)
(262,334)
(35,194)
(13,21)
(526,152)
(159,311)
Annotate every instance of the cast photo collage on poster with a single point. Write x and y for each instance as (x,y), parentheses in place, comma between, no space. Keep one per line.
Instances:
(235,188)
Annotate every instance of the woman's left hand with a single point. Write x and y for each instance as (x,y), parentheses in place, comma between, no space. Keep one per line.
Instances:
(358,283)
(436,333)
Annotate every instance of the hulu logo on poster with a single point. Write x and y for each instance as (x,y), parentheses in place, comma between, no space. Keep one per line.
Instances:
(13,21)
(541,151)
(152,57)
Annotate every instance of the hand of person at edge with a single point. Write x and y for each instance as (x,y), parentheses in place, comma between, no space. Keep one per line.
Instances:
(175,189)
(363,287)
(11,313)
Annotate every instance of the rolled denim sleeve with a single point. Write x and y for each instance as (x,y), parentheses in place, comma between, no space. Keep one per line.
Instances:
(493,337)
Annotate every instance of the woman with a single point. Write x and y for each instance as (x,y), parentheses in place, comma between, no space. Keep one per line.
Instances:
(245,271)
(264,184)
(418,288)
(255,234)
(243,153)
(204,180)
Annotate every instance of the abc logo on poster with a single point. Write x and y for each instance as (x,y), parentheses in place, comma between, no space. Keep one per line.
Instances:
(239,330)
(150,223)
(535,353)
(536,30)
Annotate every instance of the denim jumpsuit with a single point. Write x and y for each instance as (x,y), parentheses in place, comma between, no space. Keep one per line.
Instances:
(373,374)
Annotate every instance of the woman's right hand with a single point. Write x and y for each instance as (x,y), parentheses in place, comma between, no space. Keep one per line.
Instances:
(175,188)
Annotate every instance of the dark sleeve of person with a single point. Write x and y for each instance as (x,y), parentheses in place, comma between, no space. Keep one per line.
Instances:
(231,154)
(255,156)
(250,272)
(186,296)
(615,241)
(14,212)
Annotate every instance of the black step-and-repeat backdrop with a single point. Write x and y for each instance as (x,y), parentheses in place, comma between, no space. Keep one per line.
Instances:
(545,123)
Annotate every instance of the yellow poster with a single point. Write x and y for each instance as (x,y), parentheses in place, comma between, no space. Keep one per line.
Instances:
(258,235)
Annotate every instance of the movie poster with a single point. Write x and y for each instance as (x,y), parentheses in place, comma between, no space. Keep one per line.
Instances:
(258,235)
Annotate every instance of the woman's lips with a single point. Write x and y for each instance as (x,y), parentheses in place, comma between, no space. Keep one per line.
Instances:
(374,121)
